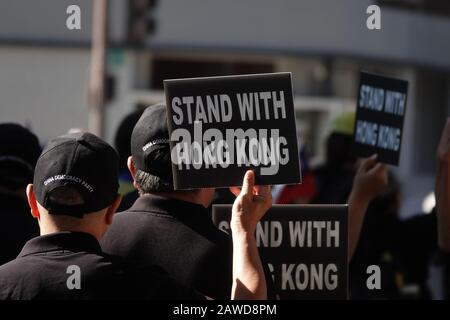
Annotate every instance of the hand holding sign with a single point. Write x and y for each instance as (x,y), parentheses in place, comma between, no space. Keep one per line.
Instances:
(370,180)
(220,127)
(380,111)
(249,207)
(251,204)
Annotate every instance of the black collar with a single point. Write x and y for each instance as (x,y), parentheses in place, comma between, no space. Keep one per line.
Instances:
(62,241)
(179,209)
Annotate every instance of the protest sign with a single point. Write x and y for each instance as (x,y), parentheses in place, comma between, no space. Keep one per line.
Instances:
(380,112)
(305,247)
(222,126)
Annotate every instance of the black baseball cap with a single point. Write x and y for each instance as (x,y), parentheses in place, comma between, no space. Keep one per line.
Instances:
(83,162)
(19,149)
(150,144)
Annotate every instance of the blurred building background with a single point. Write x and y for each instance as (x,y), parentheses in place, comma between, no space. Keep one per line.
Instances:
(44,67)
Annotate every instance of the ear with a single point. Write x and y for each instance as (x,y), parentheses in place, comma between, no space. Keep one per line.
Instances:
(112,209)
(132,169)
(32,202)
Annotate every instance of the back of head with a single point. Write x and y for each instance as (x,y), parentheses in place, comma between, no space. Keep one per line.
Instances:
(339,147)
(66,196)
(76,174)
(122,140)
(19,151)
(339,151)
(150,149)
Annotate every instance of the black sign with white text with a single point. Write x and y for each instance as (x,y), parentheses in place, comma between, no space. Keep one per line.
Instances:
(380,112)
(305,247)
(222,126)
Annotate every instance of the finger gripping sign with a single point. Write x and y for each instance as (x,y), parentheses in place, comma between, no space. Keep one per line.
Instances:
(222,126)
(380,112)
(305,247)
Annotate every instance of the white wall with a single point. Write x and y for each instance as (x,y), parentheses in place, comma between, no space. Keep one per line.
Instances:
(44,88)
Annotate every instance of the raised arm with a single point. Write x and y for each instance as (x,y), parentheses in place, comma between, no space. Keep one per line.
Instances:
(370,180)
(442,189)
(251,204)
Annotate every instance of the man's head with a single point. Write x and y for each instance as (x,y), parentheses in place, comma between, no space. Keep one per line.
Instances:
(75,185)
(19,151)
(339,144)
(150,161)
(123,138)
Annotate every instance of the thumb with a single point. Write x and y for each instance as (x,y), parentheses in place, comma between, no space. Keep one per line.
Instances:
(248,183)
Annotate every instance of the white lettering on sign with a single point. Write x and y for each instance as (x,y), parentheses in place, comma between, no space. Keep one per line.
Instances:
(379,99)
(371,97)
(214,108)
(311,233)
(382,136)
(249,105)
(269,234)
(263,147)
(218,108)
(366,132)
(389,138)
(309,277)
(395,103)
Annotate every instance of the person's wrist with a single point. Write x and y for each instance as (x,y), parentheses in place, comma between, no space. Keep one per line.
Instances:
(243,237)
(359,196)
(240,227)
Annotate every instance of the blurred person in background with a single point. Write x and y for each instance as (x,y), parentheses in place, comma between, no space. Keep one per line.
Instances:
(403,249)
(19,151)
(442,192)
(301,193)
(335,177)
(122,143)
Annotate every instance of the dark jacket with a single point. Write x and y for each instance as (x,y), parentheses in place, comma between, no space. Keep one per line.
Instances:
(177,236)
(16,228)
(48,265)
